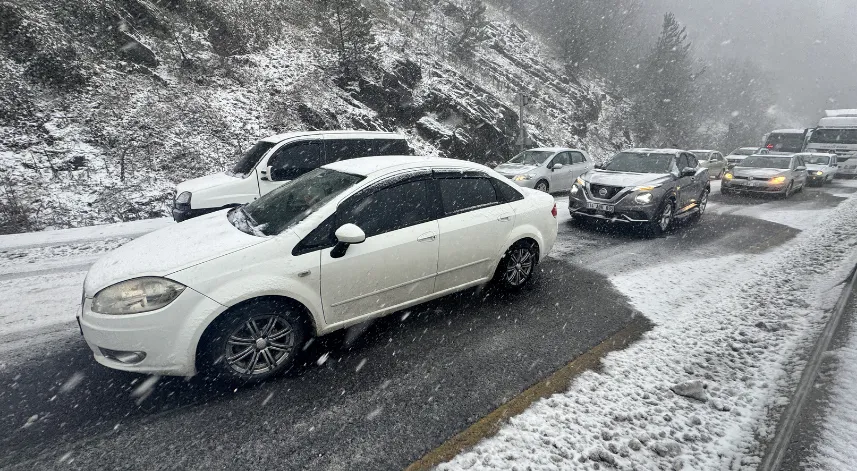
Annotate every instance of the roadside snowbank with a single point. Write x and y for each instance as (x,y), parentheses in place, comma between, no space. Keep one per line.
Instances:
(740,338)
(836,450)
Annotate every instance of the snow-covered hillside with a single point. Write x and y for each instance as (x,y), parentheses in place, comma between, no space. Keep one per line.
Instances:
(91,85)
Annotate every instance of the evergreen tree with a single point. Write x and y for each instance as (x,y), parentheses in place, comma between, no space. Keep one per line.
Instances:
(664,108)
(471,15)
(348,30)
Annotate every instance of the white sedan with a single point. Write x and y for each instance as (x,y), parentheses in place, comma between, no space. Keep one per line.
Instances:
(236,293)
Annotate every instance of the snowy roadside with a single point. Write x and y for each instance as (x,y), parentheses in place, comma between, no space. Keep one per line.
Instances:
(835,448)
(700,390)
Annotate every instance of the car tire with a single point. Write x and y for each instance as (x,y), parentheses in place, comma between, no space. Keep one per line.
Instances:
(663,220)
(253,343)
(703,203)
(543,186)
(517,270)
(788,192)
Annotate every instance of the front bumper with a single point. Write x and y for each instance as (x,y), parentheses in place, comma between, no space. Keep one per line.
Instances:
(167,338)
(625,210)
(746,187)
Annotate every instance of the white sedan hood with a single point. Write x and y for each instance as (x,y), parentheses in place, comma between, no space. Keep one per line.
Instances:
(168,250)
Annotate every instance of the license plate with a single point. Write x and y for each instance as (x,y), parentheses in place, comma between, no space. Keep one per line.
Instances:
(601,207)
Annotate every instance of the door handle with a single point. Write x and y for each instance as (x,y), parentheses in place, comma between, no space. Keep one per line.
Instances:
(504,218)
(427,238)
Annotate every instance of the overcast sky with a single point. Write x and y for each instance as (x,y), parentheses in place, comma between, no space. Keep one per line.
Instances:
(809,46)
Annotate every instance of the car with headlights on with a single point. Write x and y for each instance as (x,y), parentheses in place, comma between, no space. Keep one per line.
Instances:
(238,292)
(769,173)
(546,168)
(651,187)
(820,168)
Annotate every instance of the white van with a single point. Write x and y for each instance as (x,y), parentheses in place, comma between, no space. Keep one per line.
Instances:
(837,134)
(276,160)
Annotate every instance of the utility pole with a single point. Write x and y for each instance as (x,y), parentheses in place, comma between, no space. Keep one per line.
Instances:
(522,100)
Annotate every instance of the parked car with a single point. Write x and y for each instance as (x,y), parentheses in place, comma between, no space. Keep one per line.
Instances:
(238,292)
(820,168)
(652,187)
(771,173)
(739,154)
(547,168)
(276,160)
(712,160)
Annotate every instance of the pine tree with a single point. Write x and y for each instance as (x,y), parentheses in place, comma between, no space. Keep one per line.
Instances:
(471,15)
(664,106)
(348,30)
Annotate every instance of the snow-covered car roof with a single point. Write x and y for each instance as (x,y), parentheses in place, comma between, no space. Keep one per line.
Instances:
(555,149)
(788,131)
(340,134)
(366,166)
(646,150)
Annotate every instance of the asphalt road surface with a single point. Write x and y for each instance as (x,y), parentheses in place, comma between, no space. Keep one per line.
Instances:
(377,397)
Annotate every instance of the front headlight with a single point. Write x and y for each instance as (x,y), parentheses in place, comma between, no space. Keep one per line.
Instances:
(521,178)
(778,180)
(819,173)
(580,181)
(728,176)
(644,198)
(574,189)
(136,296)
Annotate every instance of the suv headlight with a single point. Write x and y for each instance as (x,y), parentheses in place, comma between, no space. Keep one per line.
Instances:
(521,178)
(183,199)
(644,198)
(778,180)
(136,296)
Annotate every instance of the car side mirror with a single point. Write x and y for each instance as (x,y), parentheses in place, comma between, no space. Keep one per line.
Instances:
(599,166)
(347,235)
(688,172)
(265,175)
(800,167)
(556,166)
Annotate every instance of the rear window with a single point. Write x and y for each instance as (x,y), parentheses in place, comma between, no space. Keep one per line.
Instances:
(784,142)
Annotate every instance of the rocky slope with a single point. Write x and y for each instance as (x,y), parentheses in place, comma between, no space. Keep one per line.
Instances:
(107,104)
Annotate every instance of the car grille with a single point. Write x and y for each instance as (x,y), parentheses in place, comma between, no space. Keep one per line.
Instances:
(596,191)
(736,177)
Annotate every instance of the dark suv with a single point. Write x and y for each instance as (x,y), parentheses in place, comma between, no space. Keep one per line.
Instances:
(652,187)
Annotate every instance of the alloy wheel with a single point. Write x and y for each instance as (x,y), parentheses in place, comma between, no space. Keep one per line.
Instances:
(666,218)
(519,266)
(259,345)
(703,202)
(542,186)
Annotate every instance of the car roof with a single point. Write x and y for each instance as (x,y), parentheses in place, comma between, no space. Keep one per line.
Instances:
(703,150)
(555,149)
(340,134)
(788,131)
(646,150)
(367,166)
(783,155)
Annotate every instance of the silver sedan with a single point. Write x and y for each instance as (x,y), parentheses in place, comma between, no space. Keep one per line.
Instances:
(777,174)
(546,168)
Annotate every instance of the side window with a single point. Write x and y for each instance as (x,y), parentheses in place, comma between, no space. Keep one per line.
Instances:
(506,193)
(682,162)
(465,194)
(294,160)
(563,158)
(345,149)
(577,158)
(691,161)
(390,147)
(389,209)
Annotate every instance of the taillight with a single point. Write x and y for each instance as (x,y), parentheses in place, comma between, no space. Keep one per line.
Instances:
(770,146)
(553,211)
